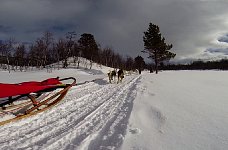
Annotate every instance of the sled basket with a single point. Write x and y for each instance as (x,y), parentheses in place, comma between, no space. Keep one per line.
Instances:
(24,99)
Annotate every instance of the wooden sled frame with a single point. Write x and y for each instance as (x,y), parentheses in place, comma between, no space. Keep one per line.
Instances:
(37,106)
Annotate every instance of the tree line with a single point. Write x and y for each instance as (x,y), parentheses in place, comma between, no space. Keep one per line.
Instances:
(46,50)
(198,65)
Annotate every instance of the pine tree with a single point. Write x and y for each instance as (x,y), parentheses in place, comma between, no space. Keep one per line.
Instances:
(155,46)
(139,63)
(88,46)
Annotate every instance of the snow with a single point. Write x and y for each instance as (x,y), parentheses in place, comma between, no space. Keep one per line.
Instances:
(81,75)
(173,110)
(180,110)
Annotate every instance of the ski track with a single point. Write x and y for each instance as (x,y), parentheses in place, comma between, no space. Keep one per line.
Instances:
(96,112)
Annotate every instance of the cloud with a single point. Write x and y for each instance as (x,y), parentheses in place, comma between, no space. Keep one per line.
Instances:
(193,27)
(217,50)
(5,29)
(224,38)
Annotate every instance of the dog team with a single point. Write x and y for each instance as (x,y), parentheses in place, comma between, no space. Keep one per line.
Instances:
(112,75)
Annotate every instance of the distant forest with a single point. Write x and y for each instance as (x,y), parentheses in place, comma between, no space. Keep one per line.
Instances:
(46,50)
(198,65)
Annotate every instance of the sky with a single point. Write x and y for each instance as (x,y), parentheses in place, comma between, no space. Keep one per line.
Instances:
(197,29)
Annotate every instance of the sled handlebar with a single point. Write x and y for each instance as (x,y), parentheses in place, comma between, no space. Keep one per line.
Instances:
(70,78)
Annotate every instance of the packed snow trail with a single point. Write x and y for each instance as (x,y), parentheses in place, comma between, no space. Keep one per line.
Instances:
(92,116)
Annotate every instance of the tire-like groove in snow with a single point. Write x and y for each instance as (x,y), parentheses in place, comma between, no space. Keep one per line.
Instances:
(88,111)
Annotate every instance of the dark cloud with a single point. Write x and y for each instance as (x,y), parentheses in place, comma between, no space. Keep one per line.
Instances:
(223,38)
(191,26)
(5,29)
(217,50)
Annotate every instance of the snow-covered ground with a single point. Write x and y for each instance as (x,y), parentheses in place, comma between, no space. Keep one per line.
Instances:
(182,110)
(173,110)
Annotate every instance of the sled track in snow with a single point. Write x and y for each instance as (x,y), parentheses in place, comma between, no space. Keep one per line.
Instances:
(94,114)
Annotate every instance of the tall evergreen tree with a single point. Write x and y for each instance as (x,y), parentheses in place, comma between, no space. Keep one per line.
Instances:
(155,46)
(139,63)
(88,46)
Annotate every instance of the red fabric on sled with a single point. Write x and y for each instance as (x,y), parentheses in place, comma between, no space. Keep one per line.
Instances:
(7,90)
(50,81)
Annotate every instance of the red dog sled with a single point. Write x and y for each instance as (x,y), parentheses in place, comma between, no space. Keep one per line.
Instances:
(24,99)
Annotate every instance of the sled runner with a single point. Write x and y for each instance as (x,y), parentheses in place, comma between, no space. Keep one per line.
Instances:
(24,99)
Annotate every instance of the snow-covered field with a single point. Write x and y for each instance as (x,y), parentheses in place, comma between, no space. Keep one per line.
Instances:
(174,110)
